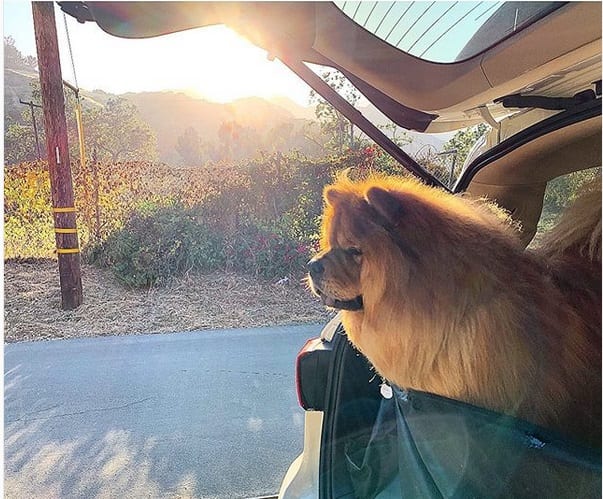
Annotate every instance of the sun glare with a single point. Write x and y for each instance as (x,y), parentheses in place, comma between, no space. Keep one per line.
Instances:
(233,68)
(214,62)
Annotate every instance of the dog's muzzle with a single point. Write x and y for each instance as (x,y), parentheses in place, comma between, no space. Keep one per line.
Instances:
(316,270)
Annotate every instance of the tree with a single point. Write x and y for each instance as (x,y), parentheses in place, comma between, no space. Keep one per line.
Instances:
(20,144)
(336,126)
(229,134)
(397,134)
(14,59)
(112,133)
(19,134)
(561,191)
(464,140)
(188,146)
(237,142)
(279,136)
(116,133)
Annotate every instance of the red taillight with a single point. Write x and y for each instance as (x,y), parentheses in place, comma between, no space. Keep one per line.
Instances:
(311,370)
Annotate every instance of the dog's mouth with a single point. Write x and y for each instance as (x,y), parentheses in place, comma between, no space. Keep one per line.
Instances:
(329,301)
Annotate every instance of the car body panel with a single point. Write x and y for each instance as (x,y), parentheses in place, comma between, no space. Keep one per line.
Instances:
(301,480)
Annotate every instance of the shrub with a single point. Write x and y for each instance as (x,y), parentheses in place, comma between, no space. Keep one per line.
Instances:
(158,243)
(104,196)
(28,224)
(148,221)
(167,241)
(266,253)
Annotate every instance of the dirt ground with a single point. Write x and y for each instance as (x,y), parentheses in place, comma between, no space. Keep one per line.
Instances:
(32,304)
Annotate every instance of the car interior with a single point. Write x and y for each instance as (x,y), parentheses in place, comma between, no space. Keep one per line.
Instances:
(516,172)
(373,447)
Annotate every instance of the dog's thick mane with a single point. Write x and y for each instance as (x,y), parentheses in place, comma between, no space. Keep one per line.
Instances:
(478,210)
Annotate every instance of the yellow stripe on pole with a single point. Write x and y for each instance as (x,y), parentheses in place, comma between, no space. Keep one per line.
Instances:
(67,251)
(65,231)
(66,209)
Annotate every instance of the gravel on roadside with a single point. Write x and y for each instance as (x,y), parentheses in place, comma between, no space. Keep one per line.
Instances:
(220,300)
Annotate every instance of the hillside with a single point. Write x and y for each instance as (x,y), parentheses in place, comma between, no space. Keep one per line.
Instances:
(169,113)
(300,112)
(17,85)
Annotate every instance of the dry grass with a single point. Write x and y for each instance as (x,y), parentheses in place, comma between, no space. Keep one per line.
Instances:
(32,304)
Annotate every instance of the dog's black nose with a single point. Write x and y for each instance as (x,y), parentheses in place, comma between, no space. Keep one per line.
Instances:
(315,267)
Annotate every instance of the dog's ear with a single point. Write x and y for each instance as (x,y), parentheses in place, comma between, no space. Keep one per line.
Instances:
(333,196)
(386,204)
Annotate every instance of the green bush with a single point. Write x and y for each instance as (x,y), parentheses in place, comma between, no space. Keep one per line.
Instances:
(158,243)
(265,252)
(155,244)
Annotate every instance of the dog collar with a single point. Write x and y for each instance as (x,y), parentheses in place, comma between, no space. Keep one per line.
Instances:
(352,305)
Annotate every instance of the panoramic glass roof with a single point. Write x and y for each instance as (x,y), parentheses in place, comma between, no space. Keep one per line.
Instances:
(444,31)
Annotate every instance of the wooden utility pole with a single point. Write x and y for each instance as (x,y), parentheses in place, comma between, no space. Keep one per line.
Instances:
(33,120)
(53,103)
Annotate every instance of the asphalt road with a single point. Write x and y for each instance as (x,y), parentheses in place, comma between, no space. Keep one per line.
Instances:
(203,414)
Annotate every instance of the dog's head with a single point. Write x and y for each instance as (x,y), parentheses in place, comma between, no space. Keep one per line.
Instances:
(391,236)
(335,277)
(360,238)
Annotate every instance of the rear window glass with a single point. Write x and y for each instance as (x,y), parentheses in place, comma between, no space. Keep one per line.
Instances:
(559,194)
(445,31)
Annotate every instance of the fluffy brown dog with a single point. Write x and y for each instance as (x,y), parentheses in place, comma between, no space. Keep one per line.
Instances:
(438,293)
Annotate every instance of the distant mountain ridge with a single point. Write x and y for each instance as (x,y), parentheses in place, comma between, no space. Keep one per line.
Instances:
(169,113)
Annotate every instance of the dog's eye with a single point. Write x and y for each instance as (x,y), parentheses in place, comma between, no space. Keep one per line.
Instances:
(353,251)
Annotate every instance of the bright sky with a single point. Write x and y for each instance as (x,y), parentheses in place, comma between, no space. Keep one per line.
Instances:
(213,61)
